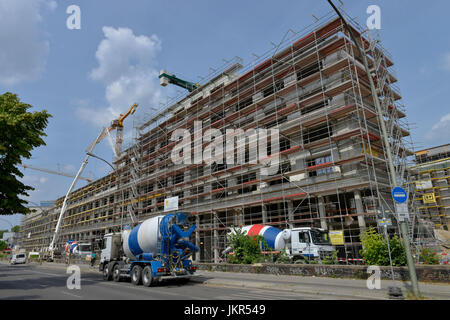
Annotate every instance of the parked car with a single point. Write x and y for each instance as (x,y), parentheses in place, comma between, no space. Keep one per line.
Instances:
(18,258)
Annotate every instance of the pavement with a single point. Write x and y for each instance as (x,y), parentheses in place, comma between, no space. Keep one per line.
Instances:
(48,281)
(342,288)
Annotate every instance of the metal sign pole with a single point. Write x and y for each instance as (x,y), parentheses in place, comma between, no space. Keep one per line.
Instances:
(385,224)
(403,229)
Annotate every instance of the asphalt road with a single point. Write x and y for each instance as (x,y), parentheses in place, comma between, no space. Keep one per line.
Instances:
(49,282)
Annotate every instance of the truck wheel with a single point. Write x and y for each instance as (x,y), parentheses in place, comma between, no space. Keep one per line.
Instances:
(116,273)
(147,278)
(136,274)
(106,272)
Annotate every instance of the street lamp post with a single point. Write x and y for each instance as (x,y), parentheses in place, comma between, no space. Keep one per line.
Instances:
(133,219)
(95,156)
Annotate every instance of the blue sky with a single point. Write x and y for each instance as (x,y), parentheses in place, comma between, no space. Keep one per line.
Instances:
(86,77)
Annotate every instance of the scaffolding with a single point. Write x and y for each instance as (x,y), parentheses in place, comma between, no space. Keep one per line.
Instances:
(333,171)
(430,176)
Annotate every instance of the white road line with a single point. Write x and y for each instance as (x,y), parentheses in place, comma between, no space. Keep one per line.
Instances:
(142,289)
(71,294)
(48,274)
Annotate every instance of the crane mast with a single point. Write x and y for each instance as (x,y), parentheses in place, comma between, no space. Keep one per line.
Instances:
(26,166)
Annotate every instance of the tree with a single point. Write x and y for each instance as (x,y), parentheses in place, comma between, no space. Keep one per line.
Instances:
(15,229)
(246,249)
(20,132)
(375,249)
(3,245)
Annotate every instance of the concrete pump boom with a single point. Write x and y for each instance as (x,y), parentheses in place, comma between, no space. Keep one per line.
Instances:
(116,124)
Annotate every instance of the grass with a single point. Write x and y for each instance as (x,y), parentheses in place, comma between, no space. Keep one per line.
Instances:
(411,296)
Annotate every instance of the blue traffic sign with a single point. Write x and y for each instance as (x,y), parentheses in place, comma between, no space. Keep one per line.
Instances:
(399,194)
(384,222)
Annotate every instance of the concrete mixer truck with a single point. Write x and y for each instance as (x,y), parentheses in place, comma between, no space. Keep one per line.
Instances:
(155,250)
(298,243)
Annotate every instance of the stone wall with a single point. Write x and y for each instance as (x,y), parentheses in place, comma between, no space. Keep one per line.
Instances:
(440,273)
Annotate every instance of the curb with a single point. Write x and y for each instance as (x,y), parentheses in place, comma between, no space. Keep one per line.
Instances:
(286,288)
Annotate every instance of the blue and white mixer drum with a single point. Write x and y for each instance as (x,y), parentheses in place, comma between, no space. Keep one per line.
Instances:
(274,237)
(142,238)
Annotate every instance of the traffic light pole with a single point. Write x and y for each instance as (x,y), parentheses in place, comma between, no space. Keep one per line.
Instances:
(403,228)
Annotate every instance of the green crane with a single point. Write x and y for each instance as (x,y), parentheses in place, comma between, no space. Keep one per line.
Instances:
(165,78)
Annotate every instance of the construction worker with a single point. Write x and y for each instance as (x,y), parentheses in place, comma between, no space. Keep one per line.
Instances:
(93,257)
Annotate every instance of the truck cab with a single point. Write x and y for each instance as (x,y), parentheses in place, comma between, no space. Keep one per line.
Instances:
(111,247)
(84,249)
(310,243)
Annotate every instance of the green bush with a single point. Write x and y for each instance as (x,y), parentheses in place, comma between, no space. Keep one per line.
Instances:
(3,245)
(246,250)
(332,259)
(375,249)
(428,257)
(309,260)
(283,257)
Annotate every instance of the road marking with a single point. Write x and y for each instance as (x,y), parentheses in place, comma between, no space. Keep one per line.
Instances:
(71,294)
(48,274)
(141,288)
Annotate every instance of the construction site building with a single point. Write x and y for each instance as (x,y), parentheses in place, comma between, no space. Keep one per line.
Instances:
(333,171)
(431,178)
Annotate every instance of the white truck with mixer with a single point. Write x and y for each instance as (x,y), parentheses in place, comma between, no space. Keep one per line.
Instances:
(298,243)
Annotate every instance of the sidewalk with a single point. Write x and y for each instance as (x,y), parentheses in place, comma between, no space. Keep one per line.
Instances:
(318,285)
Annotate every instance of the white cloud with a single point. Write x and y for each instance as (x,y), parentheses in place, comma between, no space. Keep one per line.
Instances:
(441,129)
(52,5)
(24,47)
(127,68)
(33,180)
(69,168)
(43,180)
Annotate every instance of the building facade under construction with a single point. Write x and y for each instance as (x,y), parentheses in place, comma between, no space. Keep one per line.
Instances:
(332,172)
(431,174)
